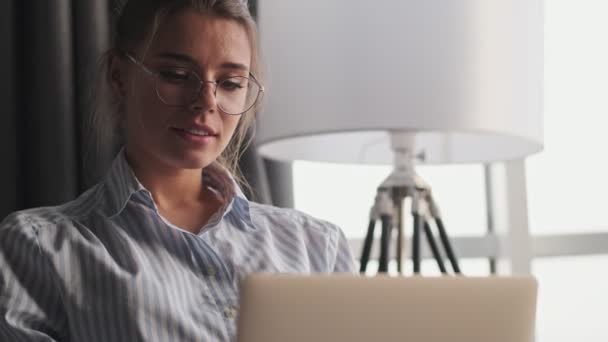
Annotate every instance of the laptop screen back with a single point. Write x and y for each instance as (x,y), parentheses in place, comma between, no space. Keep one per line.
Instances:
(281,307)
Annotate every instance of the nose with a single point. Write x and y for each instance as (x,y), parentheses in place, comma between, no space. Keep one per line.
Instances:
(205,101)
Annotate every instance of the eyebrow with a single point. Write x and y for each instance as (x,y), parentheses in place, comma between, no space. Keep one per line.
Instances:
(190,60)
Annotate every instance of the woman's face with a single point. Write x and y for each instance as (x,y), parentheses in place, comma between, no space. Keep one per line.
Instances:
(192,135)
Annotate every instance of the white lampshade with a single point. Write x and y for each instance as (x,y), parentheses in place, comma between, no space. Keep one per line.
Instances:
(463,76)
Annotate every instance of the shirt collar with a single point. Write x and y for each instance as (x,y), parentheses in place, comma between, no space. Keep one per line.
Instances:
(121,185)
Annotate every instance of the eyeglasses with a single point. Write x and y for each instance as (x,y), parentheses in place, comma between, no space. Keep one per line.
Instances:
(180,87)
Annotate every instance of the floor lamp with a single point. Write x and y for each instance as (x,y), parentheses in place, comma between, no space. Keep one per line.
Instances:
(371,82)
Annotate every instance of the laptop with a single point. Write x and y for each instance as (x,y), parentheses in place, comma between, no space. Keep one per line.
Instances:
(353,308)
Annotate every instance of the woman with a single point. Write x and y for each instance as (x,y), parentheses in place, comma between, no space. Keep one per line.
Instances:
(155,251)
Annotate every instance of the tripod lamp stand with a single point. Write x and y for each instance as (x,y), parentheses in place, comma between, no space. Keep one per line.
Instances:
(403,182)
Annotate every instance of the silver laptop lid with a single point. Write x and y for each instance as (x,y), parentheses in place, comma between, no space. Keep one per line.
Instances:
(281,307)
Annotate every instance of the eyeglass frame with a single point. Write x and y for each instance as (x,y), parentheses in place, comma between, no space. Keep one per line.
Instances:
(200,87)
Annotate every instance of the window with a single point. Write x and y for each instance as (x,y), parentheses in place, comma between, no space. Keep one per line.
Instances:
(568,181)
(572,298)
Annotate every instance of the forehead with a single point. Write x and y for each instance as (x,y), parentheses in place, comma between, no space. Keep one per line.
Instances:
(210,40)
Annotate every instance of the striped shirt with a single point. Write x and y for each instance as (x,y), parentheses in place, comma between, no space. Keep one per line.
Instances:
(108,267)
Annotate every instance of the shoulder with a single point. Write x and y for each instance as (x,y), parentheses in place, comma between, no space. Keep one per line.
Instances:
(31,220)
(19,232)
(291,219)
(297,227)
(326,244)
(39,220)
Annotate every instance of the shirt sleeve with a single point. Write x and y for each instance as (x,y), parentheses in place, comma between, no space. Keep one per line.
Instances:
(30,306)
(344,260)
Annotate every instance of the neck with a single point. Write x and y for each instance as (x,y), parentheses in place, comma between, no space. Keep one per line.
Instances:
(170,187)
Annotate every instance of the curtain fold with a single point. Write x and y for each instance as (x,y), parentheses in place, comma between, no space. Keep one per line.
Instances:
(91,38)
(48,137)
(10,197)
(48,75)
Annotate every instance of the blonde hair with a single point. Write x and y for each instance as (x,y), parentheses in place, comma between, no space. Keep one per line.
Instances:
(136,23)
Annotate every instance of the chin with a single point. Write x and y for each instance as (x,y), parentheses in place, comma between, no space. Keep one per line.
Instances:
(192,161)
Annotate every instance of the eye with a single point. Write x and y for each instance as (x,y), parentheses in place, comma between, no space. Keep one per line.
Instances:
(176,75)
(234,83)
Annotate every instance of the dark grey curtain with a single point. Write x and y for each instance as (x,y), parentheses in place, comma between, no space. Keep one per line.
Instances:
(10,196)
(48,67)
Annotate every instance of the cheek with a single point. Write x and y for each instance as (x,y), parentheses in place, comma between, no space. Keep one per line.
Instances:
(230,125)
(145,109)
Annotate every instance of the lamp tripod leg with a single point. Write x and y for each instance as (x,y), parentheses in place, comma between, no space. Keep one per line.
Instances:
(416,242)
(399,234)
(367,245)
(446,245)
(431,239)
(385,242)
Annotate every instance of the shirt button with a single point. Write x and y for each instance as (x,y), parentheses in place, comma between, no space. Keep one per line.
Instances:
(230,312)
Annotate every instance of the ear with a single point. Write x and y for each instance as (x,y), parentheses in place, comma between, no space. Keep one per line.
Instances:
(117,74)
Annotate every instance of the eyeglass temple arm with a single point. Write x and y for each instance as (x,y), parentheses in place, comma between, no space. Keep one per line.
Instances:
(138,63)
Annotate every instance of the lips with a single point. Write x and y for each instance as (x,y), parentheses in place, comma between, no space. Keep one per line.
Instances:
(200,133)
(198,136)
(197,130)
